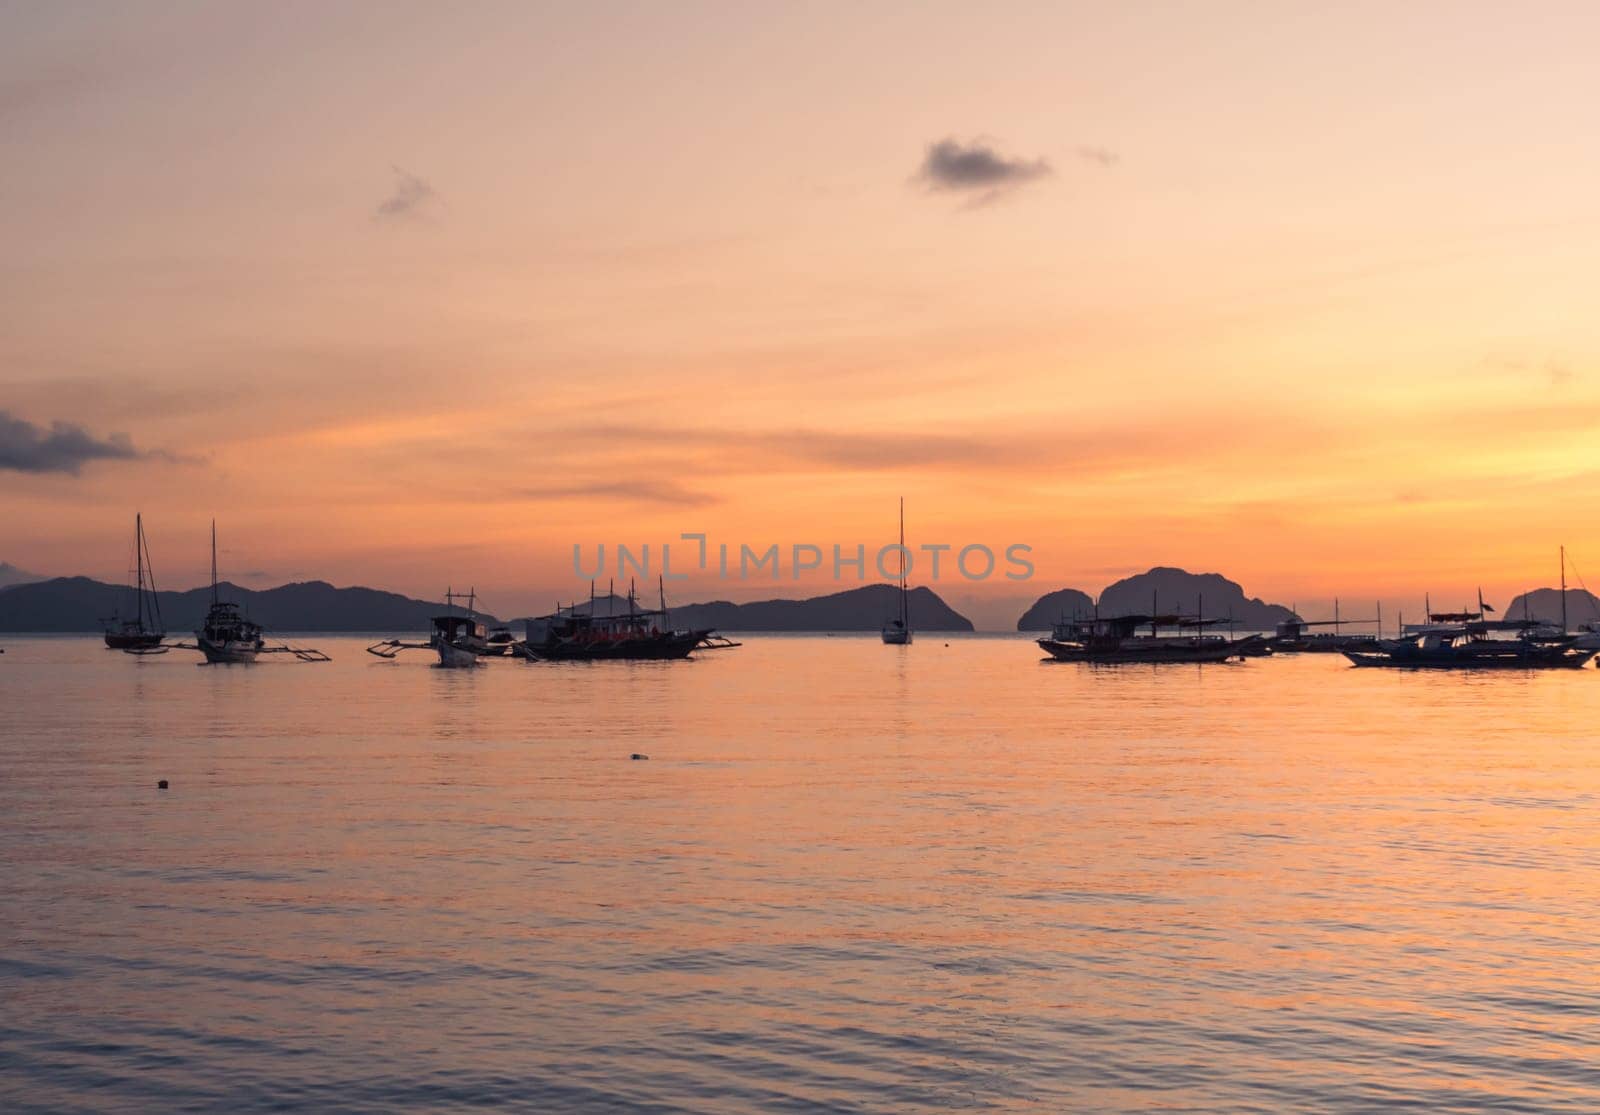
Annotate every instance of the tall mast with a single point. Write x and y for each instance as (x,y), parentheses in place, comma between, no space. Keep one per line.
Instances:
(138,565)
(213,563)
(1563,590)
(903,561)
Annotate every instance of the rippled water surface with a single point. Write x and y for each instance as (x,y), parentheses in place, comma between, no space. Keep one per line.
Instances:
(849,877)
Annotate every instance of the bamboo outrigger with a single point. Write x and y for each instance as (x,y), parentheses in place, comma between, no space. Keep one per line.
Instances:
(459,640)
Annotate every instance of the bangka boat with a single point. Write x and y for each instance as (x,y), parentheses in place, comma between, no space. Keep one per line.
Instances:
(146,629)
(1473,646)
(897,630)
(580,634)
(1116,641)
(460,640)
(1294,636)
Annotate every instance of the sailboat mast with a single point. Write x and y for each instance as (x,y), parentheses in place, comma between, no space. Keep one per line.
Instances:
(903,617)
(138,566)
(1563,590)
(213,563)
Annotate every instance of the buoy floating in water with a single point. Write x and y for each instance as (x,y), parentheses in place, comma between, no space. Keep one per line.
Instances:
(636,755)
(162,785)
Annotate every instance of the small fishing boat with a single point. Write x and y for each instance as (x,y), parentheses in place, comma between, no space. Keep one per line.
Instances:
(897,630)
(146,629)
(577,633)
(1117,641)
(459,639)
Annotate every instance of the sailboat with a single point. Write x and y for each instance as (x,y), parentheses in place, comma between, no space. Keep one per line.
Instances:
(226,636)
(146,630)
(897,631)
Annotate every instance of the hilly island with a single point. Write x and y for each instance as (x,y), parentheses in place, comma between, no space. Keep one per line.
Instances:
(80,604)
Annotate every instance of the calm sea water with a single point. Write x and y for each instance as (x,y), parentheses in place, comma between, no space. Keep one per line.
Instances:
(849,878)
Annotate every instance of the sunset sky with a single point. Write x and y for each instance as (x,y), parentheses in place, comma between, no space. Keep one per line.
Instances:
(417,294)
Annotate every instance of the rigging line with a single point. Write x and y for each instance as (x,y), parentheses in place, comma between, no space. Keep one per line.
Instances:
(1581,585)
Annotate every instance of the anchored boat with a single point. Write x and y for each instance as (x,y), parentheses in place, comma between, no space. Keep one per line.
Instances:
(1468,640)
(227,636)
(1117,641)
(146,629)
(459,639)
(897,630)
(1294,636)
(578,634)
(1473,646)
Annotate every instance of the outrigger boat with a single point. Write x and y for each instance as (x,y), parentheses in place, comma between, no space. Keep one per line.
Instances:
(1116,641)
(228,637)
(1465,640)
(146,630)
(1294,636)
(897,631)
(577,634)
(459,640)
(1471,646)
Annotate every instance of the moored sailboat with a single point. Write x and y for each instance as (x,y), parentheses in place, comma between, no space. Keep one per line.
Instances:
(146,629)
(897,629)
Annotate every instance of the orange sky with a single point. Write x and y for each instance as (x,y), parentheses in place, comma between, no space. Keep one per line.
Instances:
(407,296)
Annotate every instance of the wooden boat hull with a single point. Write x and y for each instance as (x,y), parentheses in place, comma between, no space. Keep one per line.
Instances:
(228,653)
(133,640)
(655,648)
(896,638)
(452,657)
(1152,653)
(1519,658)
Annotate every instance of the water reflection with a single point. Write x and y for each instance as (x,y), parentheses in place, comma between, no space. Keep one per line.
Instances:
(849,875)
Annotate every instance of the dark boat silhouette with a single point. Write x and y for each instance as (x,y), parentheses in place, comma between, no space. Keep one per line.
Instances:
(460,640)
(578,634)
(1116,641)
(146,629)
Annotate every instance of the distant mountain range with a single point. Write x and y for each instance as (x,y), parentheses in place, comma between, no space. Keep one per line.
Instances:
(1162,589)
(67,604)
(79,604)
(857,609)
(1544,604)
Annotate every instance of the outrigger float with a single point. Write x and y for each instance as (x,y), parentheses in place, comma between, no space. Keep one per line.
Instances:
(575,634)
(228,637)
(459,640)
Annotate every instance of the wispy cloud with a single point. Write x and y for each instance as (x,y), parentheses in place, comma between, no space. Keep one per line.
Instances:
(63,447)
(1102,156)
(665,492)
(977,169)
(411,196)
